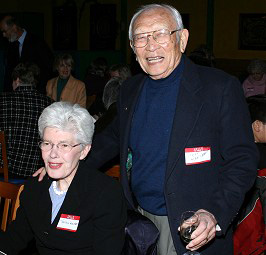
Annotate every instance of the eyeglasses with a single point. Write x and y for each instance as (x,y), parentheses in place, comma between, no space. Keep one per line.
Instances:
(160,36)
(63,147)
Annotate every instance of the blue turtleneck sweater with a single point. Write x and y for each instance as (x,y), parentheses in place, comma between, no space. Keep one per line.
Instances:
(149,139)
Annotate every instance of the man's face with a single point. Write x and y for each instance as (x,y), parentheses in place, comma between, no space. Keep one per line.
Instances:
(159,60)
(9,32)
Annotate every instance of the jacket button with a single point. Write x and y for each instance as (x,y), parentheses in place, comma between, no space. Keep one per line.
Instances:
(46,233)
(125,108)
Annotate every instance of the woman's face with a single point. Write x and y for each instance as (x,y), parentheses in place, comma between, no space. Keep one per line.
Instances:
(62,165)
(257,76)
(64,69)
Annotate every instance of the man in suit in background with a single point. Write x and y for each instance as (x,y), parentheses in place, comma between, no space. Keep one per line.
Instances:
(25,47)
(188,130)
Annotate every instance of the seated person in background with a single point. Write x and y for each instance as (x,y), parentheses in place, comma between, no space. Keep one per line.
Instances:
(120,70)
(95,80)
(74,210)
(65,87)
(255,83)
(202,56)
(19,113)
(110,95)
(257,108)
(250,233)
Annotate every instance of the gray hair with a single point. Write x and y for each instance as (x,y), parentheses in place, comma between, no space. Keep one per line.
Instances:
(28,73)
(70,118)
(175,14)
(256,65)
(122,69)
(111,90)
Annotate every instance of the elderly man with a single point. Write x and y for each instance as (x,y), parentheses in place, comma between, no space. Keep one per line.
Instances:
(188,130)
(25,47)
(19,113)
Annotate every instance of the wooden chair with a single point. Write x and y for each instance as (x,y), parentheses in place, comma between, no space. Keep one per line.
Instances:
(114,172)
(9,195)
(4,165)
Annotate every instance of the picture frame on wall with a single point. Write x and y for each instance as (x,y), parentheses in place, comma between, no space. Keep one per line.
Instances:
(252,31)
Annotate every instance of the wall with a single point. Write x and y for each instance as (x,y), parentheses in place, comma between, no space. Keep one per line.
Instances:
(225,26)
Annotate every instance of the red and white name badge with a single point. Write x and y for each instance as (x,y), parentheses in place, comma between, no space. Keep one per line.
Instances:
(68,222)
(197,155)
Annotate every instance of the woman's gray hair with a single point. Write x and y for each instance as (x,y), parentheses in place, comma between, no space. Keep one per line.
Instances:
(257,66)
(70,118)
(175,14)
(111,90)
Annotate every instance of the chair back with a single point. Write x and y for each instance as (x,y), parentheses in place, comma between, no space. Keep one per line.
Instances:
(114,172)
(9,195)
(3,162)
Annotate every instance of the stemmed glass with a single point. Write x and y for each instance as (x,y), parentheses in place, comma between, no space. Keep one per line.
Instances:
(189,222)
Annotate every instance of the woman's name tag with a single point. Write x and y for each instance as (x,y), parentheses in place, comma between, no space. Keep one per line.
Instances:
(68,222)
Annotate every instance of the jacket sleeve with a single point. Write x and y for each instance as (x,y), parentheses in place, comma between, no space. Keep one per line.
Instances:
(109,221)
(239,156)
(18,233)
(105,145)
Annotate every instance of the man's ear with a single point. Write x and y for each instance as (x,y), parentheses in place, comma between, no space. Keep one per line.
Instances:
(15,83)
(184,34)
(256,125)
(132,47)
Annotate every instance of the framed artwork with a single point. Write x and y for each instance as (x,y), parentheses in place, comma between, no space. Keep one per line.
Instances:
(103,26)
(65,27)
(252,31)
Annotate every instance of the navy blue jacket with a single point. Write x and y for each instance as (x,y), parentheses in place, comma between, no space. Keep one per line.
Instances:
(211,111)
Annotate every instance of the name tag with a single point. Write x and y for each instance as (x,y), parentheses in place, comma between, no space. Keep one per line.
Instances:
(68,222)
(197,155)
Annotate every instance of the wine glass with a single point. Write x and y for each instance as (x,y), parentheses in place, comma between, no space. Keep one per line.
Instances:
(189,222)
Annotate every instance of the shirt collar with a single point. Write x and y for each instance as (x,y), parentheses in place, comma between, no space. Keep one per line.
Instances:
(22,37)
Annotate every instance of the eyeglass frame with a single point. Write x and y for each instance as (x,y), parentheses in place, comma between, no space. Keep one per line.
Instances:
(152,33)
(52,144)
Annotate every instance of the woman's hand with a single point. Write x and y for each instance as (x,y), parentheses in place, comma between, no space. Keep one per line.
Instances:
(41,172)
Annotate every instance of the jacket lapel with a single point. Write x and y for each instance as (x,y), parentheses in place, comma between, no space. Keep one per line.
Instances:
(45,211)
(187,112)
(131,95)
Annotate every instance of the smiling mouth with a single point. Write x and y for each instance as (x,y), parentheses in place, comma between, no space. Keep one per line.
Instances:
(55,165)
(154,59)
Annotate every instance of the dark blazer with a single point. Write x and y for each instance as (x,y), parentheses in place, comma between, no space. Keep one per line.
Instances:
(34,50)
(95,197)
(210,111)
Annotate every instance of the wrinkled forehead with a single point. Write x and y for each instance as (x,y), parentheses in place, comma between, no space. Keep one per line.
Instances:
(154,19)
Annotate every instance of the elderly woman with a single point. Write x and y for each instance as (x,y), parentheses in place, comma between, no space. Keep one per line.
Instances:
(255,84)
(110,95)
(65,87)
(74,210)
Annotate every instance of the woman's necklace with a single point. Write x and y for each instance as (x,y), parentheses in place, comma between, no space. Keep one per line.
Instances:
(56,191)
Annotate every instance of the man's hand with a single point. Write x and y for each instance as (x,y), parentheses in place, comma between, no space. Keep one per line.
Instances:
(205,231)
(41,172)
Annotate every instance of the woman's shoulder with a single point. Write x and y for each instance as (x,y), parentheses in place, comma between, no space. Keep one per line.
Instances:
(76,81)
(96,180)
